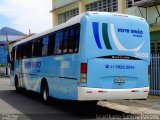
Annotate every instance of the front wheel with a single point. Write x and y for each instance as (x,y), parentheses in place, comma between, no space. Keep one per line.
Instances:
(45,93)
(16,84)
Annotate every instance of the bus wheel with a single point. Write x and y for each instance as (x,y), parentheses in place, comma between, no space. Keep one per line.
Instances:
(45,92)
(16,84)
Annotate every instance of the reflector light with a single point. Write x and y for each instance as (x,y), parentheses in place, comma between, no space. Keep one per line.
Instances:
(89,92)
(145,91)
(100,91)
(134,90)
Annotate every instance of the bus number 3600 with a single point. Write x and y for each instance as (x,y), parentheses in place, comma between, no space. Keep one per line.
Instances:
(141,55)
(65,65)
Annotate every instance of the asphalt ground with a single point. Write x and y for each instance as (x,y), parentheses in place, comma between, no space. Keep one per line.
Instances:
(26,105)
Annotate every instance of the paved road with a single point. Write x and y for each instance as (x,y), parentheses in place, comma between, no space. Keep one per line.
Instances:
(28,106)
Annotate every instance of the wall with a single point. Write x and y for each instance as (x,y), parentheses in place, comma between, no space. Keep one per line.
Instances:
(67,8)
(135,11)
(151,13)
(61,3)
(155,35)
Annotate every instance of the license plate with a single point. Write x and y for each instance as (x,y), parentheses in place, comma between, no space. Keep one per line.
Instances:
(119,80)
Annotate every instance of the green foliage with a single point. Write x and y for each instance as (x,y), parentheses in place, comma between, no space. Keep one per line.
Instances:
(3,65)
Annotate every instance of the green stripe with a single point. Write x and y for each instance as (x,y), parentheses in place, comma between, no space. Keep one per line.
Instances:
(105,36)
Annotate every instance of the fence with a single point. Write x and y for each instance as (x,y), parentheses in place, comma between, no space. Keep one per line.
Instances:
(155,75)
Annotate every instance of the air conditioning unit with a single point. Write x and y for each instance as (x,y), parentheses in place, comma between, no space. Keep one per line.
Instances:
(146,2)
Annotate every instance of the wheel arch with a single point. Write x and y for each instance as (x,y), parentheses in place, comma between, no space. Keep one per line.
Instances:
(43,82)
(15,78)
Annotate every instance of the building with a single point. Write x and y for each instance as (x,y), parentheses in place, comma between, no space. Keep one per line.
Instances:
(4,69)
(63,10)
(11,43)
(4,48)
(7,35)
(150,10)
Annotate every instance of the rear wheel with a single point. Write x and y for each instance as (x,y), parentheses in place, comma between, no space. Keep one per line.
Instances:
(16,84)
(45,92)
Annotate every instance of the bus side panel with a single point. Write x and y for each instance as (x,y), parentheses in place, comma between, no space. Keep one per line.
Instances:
(16,72)
(62,88)
(59,71)
(12,77)
(63,80)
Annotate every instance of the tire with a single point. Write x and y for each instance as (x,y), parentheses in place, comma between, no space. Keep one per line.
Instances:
(16,84)
(45,93)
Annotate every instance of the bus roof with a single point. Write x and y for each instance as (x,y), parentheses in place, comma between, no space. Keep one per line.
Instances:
(70,22)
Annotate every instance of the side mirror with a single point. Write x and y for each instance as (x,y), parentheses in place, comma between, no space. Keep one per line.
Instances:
(8,58)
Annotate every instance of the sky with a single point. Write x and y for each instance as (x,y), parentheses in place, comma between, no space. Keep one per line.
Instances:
(23,15)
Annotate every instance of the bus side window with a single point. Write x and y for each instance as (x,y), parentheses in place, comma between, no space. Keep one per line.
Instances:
(17,52)
(29,50)
(35,48)
(72,39)
(20,51)
(12,58)
(45,46)
(40,45)
(65,41)
(77,38)
(58,42)
(13,54)
(24,51)
(51,44)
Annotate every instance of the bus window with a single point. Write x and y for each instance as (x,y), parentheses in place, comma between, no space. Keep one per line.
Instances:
(35,48)
(17,52)
(65,41)
(45,46)
(74,39)
(20,52)
(13,54)
(12,58)
(71,40)
(16,49)
(24,51)
(51,44)
(77,38)
(58,42)
(39,47)
(29,50)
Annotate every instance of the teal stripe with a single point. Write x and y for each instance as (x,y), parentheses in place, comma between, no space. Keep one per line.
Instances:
(105,36)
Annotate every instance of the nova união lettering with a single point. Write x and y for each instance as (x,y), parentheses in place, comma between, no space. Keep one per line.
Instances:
(123,30)
(135,33)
